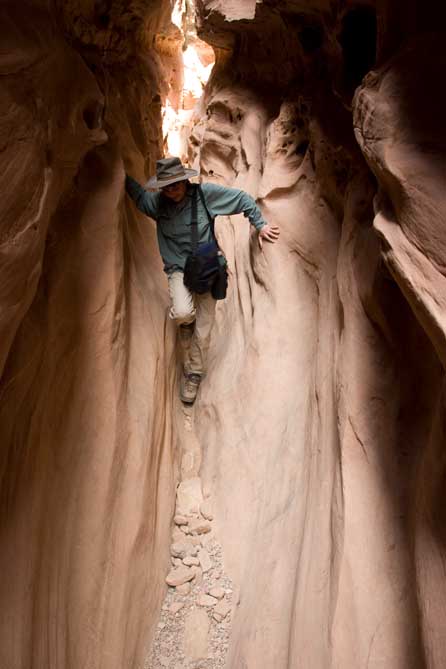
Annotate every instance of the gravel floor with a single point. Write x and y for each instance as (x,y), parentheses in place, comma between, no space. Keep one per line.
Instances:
(168,650)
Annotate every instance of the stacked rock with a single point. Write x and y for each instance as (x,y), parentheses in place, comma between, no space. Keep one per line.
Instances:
(195,622)
(190,559)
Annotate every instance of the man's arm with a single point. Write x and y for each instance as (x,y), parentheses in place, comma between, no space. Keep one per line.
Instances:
(223,201)
(146,202)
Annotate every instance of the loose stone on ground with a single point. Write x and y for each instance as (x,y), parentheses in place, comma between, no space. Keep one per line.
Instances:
(179,576)
(217,592)
(195,622)
(199,526)
(204,560)
(206,600)
(191,561)
(222,609)
(194,627)
(180,549)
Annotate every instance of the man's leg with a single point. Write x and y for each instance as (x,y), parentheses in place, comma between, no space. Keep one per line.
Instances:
(182,307)
(205,317)
(182,311)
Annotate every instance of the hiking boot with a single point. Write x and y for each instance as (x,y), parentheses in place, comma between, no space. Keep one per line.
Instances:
(189,387)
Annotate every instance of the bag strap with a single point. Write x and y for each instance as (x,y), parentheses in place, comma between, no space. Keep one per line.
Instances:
(194,223)
(203,201)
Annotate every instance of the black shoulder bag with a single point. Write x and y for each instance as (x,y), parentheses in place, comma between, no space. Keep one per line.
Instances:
(205,268)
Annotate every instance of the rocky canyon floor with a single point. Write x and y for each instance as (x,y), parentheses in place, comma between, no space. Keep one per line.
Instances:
(297,510)
(195,621)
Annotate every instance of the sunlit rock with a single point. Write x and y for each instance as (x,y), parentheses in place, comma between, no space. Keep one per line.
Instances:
(319,427)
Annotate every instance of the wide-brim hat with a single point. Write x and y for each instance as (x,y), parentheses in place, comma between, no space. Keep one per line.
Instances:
(169,171)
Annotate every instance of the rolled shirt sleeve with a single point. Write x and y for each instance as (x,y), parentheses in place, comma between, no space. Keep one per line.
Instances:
(223,201)
(146,202)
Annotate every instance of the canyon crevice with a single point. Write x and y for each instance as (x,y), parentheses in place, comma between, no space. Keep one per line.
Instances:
(318,432)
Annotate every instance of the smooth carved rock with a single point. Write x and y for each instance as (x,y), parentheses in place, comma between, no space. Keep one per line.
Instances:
(180,520)
(206,510)
(339,282)
(318,441)
(179,576)
(189,497)
(63,176)
(177,534)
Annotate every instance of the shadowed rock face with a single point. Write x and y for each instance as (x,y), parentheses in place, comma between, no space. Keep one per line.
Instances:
(321,421)
(332,528)
(86,457)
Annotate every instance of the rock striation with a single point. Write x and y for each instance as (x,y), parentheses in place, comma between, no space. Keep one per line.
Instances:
(319,429)
(86,464)
(322,477)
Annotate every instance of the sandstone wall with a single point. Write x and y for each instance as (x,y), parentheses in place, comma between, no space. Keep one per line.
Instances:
(321,422)
(327,475)
(86,463)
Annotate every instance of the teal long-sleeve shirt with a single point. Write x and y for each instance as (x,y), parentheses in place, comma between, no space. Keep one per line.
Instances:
(174,220)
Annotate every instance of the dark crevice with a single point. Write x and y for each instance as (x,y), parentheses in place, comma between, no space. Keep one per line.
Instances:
(103,21)
(93,115)
(358,40)
(301,149)
(311,37)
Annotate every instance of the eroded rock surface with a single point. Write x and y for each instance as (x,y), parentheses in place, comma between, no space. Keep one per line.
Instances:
(323,457)
(319,429)
(85,429)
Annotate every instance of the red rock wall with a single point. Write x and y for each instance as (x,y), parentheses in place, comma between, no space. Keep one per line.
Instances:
(86,464)
(332,530)
(321,421)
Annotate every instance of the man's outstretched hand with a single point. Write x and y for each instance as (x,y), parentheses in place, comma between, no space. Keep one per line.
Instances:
(270,233)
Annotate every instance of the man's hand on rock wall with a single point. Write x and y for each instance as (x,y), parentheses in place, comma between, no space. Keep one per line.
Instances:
(270,233)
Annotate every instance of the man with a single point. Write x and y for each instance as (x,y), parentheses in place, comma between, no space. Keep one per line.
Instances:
(171,207)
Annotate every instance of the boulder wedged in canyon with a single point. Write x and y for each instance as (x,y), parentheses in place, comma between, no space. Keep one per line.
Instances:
(320,423)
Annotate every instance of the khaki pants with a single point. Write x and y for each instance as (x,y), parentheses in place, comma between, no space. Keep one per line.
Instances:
(185,308)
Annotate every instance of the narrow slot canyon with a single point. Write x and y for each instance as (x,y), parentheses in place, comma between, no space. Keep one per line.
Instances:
(292,518)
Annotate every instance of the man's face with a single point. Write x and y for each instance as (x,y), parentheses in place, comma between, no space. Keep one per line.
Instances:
(176,191)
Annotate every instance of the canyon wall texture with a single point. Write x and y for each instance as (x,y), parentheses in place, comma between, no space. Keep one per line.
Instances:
(321,420)
(86,464)
(328,476)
